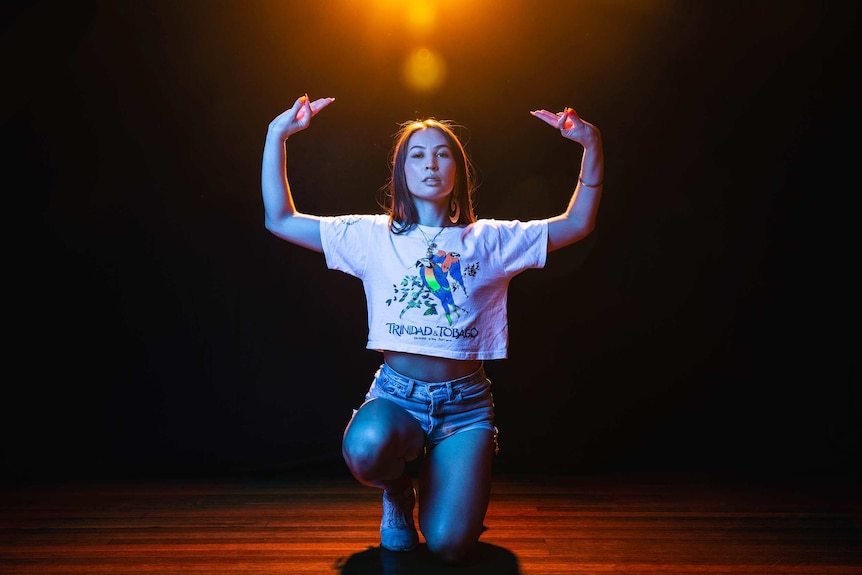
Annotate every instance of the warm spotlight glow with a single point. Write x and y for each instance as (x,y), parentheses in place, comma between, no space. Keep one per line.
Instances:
(421,15)
(424,70)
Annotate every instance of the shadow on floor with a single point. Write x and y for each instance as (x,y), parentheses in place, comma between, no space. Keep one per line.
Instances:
(485,559)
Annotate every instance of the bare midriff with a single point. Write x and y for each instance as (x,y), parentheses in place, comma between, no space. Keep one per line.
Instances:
(429,368)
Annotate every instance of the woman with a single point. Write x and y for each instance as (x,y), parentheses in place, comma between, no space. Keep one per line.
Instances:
(436,281)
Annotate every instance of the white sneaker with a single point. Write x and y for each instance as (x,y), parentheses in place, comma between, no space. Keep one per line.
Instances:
(397,530)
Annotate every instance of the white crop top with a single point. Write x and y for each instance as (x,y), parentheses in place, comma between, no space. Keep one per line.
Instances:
(449,301)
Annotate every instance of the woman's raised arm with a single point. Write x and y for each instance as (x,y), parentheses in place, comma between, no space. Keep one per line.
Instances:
(281,215)
(580,216)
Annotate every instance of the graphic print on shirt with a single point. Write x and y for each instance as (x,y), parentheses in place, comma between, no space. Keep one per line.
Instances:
(436,283)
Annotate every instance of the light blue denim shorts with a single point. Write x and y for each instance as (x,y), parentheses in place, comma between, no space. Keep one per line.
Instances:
(442,408)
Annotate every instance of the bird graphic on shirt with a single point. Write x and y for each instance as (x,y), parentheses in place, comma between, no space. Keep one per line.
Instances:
(435,271)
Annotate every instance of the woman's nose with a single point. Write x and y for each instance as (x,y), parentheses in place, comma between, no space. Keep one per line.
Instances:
(431,164)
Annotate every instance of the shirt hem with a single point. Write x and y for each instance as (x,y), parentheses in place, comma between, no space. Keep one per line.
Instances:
(444,353)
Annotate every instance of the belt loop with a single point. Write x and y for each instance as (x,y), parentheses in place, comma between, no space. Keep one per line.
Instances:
(451,389)
(408,391)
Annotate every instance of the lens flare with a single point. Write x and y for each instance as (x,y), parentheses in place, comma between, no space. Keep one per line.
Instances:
(424,70)
(421,16)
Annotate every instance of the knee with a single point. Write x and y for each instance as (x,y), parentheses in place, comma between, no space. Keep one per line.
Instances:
(364,451)
(448,547)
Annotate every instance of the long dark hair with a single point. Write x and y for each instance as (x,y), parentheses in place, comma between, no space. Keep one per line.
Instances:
(397,200)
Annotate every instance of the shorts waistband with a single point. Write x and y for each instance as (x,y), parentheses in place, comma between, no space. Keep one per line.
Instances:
(477,376)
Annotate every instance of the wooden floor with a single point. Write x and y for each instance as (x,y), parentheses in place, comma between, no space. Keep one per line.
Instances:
(535,525)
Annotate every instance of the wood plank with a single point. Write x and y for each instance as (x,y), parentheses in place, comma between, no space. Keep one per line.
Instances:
(535,525)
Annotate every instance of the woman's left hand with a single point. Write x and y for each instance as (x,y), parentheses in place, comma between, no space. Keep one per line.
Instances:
(570,125)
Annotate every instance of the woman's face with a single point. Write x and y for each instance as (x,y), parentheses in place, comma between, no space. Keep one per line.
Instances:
(430,166)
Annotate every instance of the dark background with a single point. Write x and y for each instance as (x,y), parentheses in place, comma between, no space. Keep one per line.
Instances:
(154,327)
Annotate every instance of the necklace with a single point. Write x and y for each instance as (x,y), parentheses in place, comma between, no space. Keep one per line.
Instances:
(430,241)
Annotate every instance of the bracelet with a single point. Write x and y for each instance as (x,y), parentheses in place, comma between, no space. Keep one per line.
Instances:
(583,183)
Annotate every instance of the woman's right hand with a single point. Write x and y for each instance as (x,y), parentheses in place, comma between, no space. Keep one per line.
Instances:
(298,117)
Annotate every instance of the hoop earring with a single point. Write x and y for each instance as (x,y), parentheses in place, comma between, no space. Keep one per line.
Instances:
(454,210)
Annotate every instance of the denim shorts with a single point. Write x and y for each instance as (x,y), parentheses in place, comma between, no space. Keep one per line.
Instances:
(442,409)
